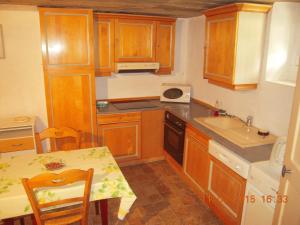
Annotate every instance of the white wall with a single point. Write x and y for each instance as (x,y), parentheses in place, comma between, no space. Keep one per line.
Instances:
(21,75)
(270,104)
(140,85)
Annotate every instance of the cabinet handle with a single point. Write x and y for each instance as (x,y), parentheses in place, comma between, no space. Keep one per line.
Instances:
(17,145)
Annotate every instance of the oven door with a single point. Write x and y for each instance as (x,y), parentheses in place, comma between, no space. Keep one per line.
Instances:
(174,141)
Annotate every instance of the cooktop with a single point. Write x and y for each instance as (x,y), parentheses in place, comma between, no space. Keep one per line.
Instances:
(134,105)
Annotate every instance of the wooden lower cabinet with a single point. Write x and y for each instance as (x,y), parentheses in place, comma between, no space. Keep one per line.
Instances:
(121,133)
(196,159)
(152,134)
(226,192)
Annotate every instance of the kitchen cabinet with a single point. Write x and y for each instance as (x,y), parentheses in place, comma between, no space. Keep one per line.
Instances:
(234,41)
(165,41)
(196,159)
(135,40)
(17,135)
(104,29)
(68,62)
(122,134)
(226,192)
(152,134)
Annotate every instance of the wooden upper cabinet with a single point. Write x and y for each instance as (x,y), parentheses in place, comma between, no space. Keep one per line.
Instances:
(67,37)
(234,44)
(104,44)
(165,41)
(135,40)
(221,32)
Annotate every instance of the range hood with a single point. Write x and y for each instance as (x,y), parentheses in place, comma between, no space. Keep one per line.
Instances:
(137,67)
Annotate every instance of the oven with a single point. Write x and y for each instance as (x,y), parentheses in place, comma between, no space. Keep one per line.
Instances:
(174,131)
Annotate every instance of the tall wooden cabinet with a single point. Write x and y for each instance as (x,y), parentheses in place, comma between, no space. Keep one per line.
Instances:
(234,45)
(68,62)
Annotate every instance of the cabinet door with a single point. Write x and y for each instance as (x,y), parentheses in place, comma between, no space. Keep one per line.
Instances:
(196,164)
(122,139)
(227,191)
(135,40)
(165,42)
(71,103)
(104,45)
(152,134)
(220,47)
(67,37)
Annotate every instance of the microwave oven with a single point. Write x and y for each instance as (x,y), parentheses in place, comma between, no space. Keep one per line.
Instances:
(175,93)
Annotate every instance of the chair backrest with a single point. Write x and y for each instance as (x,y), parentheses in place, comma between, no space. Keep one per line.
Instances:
(57,133)
(49,180)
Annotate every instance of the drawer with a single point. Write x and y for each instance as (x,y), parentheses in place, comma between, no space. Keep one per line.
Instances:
(16,144)
(120,117)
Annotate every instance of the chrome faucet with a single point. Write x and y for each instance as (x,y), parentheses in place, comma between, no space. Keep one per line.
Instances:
(249,121)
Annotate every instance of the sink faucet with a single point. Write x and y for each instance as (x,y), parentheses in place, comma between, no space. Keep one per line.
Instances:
(249,121)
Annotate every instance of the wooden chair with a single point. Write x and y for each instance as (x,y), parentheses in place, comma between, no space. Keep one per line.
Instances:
(65,215)
(57,133)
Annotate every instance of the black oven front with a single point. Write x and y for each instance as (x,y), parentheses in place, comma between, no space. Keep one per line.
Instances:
(174,131)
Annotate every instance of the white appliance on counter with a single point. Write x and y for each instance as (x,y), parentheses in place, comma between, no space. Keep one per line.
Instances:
(171,92)
(262,187)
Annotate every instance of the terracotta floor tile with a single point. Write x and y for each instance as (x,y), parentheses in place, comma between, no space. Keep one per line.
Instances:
(163,199)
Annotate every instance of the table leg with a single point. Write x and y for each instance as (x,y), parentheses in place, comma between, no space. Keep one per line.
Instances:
(97,207)
(33,221)
(9,221)
(22,221)
(104,211)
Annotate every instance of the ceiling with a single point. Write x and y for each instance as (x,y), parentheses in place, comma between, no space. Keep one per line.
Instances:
(173,8)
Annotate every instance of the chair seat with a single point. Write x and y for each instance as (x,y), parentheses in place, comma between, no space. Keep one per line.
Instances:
(64,220)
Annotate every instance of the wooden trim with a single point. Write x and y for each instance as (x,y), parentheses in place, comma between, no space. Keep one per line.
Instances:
(99,73)
(136,17)
(236,7)
(118,117)
(239,87)
(130,99)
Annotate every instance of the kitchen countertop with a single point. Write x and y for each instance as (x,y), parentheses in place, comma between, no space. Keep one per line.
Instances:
(188,112)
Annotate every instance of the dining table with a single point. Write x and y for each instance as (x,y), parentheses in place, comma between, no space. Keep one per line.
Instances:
(108,180)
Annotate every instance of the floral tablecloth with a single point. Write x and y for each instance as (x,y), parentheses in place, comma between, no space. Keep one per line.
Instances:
(108,180)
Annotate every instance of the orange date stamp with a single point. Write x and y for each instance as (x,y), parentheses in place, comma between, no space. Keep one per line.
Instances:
(267,198)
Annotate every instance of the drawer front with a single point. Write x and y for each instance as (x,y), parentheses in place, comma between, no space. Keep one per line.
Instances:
(18,144)
(117,118)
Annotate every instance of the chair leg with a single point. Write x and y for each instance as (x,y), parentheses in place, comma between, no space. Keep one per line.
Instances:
(104,211)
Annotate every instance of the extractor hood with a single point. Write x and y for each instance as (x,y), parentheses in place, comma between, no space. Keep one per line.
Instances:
(137,67)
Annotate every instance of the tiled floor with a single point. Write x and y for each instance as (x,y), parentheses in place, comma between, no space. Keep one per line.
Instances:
(163,199)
